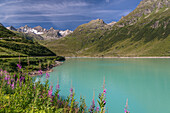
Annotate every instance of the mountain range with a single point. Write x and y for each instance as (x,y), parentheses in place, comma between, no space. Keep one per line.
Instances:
(41,32)
(12,45)
(143,32)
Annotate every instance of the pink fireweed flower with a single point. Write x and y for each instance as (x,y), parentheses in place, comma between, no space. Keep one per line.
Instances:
(40,72)
(6,78)
(19,66)
(22,78)
(126,107)
(57,86)
(97,109)
(12,85)
(14,76)
(8,83)
(50,91)
(104,92)
(47,75)
(12,80)
(71,92)
(104,102)
(5,71)
(92,107)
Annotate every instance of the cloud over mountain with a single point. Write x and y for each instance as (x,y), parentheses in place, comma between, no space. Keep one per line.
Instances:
(60,13)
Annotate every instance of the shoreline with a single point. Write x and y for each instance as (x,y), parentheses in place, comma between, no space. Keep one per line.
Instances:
(36,73)
(118,57)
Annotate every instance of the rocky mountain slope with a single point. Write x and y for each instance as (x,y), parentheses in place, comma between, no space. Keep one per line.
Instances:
(144,32)
(13,45)
(41,33)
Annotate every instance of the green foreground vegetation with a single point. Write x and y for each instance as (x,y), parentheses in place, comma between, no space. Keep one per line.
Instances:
(20,93)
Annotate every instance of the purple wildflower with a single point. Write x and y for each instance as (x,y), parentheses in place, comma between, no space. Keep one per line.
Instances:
(19,66)
(12,85)
(50,91)
(6,78)
(126,107)
(71,92)
(8,83)
(5,71)
(22,78)
(104,102)
(14,76)
(47,75)
(57,86)
(40,72)
(104,92)
(97,109)
(92,107)
(12,80)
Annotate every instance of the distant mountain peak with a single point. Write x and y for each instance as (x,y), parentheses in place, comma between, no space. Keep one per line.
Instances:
(46,34)
(12,28)
(39,29)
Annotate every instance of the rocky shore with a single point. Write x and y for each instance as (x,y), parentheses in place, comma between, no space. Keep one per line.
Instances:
(47,70)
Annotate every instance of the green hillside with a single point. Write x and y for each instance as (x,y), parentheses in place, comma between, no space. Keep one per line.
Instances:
(6,33)
(144,32)
(14,45)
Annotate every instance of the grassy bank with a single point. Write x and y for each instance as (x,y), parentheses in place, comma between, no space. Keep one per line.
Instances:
(28,64)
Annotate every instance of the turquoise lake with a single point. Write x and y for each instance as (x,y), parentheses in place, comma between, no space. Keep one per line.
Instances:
(145,82)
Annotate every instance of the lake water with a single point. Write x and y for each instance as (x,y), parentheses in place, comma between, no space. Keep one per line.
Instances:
(145,82)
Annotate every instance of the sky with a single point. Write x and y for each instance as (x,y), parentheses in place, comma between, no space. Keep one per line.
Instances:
(62,14)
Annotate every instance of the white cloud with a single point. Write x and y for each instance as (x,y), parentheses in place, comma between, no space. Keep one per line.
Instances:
(49,10)
(10,2)
(45,21)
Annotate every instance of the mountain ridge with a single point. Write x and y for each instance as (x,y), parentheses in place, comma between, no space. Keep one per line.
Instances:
(42,32)
(137,34)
